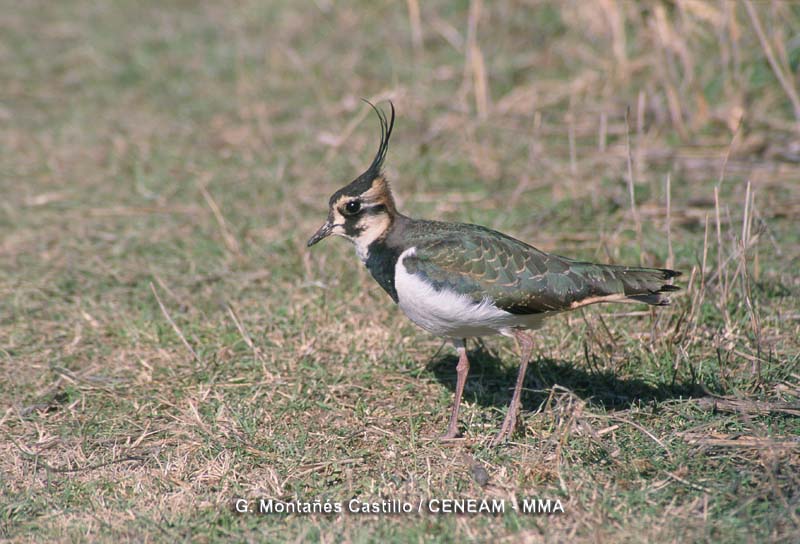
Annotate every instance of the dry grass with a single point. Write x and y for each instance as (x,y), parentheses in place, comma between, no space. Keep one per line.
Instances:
(168,344)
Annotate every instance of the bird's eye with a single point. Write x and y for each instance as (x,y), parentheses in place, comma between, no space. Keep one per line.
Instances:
(353,207)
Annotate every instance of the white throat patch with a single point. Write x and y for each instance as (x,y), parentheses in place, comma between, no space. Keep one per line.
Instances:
(375,227)
(362,250)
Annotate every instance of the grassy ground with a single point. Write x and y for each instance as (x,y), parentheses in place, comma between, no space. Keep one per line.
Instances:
(168,344)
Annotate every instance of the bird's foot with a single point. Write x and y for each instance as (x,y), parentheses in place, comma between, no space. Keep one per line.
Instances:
(509,425)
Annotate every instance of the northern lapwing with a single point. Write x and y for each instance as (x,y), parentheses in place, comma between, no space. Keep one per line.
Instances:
(462,281)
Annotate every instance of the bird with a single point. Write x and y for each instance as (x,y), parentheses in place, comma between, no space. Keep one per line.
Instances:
(461,281)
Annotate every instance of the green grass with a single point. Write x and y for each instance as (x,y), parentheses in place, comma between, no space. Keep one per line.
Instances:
(189,150)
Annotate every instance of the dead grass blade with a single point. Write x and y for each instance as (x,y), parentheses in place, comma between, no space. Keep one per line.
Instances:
(415,22)
(783,79)
(747,406)
(742,441)
(229,239)
(631,191)
(173,325)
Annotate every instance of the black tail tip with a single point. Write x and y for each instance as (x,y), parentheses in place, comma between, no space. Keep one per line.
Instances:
(670,273)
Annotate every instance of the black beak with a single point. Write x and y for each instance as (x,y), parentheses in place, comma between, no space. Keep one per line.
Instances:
(323,232)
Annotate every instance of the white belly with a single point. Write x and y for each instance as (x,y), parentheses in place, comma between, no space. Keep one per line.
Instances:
(450,314)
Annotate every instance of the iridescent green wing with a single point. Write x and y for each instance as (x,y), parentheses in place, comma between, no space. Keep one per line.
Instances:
(481,263)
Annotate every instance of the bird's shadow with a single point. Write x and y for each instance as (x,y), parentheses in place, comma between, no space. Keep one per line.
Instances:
(491,382)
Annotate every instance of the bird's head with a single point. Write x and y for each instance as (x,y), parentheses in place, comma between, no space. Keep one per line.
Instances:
(363,210)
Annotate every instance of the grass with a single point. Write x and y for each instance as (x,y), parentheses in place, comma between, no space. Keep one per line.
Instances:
(168,344)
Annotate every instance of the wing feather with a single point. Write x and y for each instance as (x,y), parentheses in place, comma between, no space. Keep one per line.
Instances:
(516,277)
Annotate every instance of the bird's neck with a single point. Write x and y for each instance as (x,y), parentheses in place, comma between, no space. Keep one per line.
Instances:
(378,230)
(382,254)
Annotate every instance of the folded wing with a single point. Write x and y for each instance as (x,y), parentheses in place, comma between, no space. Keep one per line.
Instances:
(520,279)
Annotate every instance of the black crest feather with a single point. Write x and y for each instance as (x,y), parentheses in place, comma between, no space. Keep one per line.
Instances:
(386,133)
(363,182)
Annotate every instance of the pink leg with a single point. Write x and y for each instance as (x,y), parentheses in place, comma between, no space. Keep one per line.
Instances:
(462,369)
(525,343)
